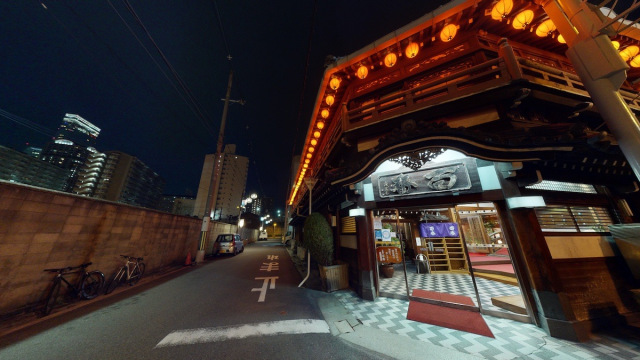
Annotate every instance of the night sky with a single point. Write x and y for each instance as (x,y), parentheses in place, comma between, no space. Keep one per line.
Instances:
(89,58)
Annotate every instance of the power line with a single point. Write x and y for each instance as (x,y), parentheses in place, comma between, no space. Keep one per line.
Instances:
(27,123)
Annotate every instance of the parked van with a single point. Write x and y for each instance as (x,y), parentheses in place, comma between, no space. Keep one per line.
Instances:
(287,238)
(229,244)
(263,235)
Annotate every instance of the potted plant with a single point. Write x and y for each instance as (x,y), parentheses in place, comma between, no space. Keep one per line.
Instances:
(318,240)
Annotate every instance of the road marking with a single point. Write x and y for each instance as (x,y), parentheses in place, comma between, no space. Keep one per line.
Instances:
(265,284)
(205,335)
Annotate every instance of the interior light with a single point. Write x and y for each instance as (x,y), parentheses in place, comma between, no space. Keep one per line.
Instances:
(362,72)
(561,39)
(546,28)
(329,100)
(334,83)
(412,50)
(635,62)
(523,19)
(629,52)
(616,44)
(390,59)
(501,9)
(448,32)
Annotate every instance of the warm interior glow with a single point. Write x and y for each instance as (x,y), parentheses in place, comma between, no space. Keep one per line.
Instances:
(412,50)
(448,32)
(635,62)
(561,39)
(390,59)
(629,52)
(546,28)
(316,134)
(320,125)
(329,100)
(324,113)
(334,83)
(616,44)
(501,9)
(362,72)
(523,19)
(314,142)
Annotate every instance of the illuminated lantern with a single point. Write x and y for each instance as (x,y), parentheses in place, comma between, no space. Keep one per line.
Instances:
(523,19)
(561,39)
(320,125)
(309,156)
(390,59)
(306,161)
(448,32)
(334,83)
(311,149)
(316,134)
(412,50)
(546,28)
(329,100)
(362,72)
(635,62)
(305,166)
(616,44)
(501,9)
(314,142)
(324,113)
(629,52)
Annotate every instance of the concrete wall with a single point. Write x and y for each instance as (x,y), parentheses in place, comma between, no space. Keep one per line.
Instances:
(42,229)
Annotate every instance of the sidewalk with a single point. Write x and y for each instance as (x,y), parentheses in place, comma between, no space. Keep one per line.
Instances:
(381,326)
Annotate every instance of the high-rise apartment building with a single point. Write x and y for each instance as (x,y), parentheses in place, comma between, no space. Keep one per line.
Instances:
(261,206)
(22,168)
(70,149)
(120,177)
(228,195)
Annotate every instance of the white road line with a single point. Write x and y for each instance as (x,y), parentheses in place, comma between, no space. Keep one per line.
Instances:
(205,335)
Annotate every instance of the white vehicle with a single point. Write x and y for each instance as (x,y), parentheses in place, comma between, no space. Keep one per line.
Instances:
(287,238)
(263,235)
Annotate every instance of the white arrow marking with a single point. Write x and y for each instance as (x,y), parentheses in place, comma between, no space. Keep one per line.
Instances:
(205,335)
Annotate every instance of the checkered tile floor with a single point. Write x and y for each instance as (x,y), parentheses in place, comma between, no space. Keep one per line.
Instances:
(513,340)
(458,284)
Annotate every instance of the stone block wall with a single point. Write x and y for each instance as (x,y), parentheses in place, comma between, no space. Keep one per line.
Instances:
(42,229)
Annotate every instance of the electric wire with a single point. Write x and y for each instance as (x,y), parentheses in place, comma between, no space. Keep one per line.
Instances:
(27,123)
(182,84)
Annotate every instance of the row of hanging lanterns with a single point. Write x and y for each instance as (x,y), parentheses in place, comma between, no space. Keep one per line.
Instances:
(447,34)
(502,9)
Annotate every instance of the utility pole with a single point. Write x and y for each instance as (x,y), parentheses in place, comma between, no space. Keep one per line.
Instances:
(215,177)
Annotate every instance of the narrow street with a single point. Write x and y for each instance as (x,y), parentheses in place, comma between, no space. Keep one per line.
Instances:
(245,306)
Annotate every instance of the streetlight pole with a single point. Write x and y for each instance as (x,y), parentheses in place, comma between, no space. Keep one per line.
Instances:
(215,177)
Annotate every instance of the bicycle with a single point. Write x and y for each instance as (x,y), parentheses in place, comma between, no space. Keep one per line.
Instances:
(87,286)
(131,272)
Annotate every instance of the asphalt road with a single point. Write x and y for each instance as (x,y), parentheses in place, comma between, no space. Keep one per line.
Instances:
(242,307)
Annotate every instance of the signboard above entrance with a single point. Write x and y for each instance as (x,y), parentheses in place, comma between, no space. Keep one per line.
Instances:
(458,176)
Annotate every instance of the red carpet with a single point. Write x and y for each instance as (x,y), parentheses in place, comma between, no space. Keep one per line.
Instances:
(505,268)
(463,320)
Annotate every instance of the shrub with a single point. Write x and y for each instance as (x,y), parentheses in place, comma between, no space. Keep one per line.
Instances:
(318,239)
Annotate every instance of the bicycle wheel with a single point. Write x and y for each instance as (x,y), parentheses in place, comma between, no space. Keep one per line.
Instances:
(92,284)
(137,274)
(51,298)
(115,280)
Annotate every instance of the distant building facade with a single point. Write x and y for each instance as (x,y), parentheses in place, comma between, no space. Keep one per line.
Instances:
(120,177)
(230,189)
(25,169)
(261,206)
(71,147)
(179,205)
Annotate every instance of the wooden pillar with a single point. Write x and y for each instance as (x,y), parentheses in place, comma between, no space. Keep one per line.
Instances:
(366,261)
(554,310)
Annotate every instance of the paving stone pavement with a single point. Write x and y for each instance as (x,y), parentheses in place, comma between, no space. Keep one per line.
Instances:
(513,340)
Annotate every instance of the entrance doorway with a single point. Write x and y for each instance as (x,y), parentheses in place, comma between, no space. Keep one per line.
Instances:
(450,255)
